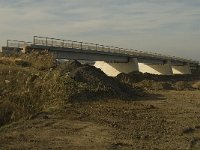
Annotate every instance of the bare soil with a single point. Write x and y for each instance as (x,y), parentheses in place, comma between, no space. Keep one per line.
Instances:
(164,120)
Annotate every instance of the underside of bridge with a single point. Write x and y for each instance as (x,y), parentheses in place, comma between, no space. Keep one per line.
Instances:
(160,69)
(185,69)
(113,69)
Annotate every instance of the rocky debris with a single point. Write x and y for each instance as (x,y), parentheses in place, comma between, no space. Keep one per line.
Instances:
(197,126)
(7,81)
(152,85)
(22,63)
(194,141)
(188,130)
(159,82)
(68,66)
(97,82)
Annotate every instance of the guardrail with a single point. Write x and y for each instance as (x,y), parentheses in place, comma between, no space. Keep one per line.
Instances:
(53,42)
(17,44)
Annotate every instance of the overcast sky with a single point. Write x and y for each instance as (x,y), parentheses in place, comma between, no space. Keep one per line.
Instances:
(165,26)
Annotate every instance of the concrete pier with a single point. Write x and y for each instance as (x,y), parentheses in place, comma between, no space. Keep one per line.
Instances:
(185,69)
(160,69)
(113,69)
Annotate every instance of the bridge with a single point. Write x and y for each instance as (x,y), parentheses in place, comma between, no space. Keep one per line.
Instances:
(112,60)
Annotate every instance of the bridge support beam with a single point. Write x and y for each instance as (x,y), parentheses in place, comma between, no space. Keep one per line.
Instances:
(113,69)
(160,69)
(185,69)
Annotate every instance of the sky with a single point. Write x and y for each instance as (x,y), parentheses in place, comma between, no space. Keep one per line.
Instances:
(170,27)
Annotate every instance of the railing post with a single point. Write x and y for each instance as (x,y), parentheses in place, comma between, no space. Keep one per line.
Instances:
(96,47)
(52,42)
(7,43)
(72,45)
(34,40)
(63,43)
(81,45)
(46,41)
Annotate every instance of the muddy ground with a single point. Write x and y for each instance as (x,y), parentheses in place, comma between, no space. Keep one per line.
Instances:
(165,120)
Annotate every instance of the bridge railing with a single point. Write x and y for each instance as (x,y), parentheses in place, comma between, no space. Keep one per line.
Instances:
(46,41)
(52,42)
(17,44)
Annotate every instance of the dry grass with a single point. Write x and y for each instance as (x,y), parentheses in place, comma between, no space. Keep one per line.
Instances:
(196,85)
(31,83)
(28,84)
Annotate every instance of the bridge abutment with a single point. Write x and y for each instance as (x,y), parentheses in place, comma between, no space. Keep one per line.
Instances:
(185,69)
(160,69)
(113,69)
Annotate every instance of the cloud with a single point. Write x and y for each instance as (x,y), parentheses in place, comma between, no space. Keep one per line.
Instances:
(170,26)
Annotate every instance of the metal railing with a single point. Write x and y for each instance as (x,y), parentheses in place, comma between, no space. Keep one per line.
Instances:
(17,44)
(53,42)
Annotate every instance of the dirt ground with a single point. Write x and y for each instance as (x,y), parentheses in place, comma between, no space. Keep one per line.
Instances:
(166,120)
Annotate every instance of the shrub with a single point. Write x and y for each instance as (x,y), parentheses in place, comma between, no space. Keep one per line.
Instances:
(22,63)
(9,112)
(181,85)
(196,85)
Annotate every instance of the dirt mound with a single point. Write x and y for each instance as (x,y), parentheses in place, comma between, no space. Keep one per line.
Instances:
(182,85)
(159,82)
(138,76)
(91,75)
(68,66)
(99,83)
(152,85)
(132,77)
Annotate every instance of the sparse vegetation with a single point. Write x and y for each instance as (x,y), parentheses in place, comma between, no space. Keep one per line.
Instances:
(33,83)
(23,85)
(182,85)
(196,85)
(74,101)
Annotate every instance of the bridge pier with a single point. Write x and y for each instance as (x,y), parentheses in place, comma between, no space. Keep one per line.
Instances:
(113,69)
(160,69)
(184,69)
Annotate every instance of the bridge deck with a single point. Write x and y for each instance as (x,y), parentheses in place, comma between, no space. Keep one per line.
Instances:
(63,45)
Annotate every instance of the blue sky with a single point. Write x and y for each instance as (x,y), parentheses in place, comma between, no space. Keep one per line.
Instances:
(165,26)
